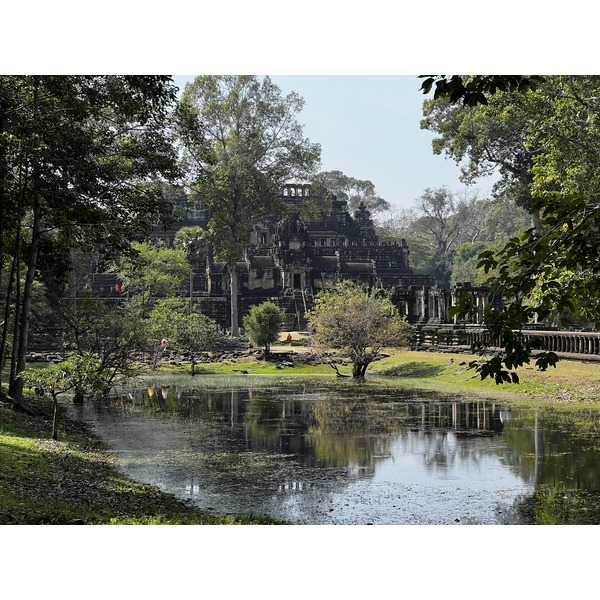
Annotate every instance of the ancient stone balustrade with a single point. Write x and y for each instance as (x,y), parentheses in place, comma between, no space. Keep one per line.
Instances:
(566,344)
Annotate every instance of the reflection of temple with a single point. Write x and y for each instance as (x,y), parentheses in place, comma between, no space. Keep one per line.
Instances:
(291,259)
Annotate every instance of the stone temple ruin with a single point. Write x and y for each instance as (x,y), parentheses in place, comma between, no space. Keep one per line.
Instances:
(290,260)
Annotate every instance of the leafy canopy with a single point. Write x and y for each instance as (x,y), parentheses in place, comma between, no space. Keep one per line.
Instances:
(78,373)
(263,324)
(195,332)
(242,141)
(360,322)
(153,271)
(551,267)
(114,334)
(477,88)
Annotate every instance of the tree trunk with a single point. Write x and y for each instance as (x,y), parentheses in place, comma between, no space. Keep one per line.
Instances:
(14,278)
(359,368)
(20,345)
(4,177)
(535,224)
(535,221)
(234,300)
(193,366)
(191,292)
(55,419)
(9,290)
(16,324)
(21,349)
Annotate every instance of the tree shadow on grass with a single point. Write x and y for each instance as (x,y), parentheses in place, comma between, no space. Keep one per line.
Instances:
(413,369)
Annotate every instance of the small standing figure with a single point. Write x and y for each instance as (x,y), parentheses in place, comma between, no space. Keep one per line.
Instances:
(289,337)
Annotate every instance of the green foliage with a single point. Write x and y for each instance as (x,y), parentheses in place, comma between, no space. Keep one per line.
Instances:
(83,160)
(112,333)
(359,322)
(475,89)
(79,373)
(242,142)
(263,324)
(153,272)
(443,221)
(193,333)
(82,138)
(556,266)
(421,255)
(353,191)
(546,144)
(484,140)
(191,241)
(465,263)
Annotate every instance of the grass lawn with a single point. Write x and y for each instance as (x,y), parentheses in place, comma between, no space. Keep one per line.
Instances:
(570,381)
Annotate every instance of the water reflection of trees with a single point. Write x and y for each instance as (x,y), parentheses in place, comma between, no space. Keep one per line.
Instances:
(559,451)
(554,450)
(355,431)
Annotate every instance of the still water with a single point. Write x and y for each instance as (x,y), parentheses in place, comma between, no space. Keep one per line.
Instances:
(329,452)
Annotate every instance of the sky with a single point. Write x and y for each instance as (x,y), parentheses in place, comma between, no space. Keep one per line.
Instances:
(369,128)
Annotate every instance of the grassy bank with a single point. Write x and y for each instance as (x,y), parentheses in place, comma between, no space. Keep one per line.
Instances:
(570,381)
(74,480)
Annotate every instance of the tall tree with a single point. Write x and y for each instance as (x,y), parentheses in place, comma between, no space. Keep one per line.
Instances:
(358,322)
(496,138)
(353,191)
(560,140)
(84,155)
(439,222)
(242,142)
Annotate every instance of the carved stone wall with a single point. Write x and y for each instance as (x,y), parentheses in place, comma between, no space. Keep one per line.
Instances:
(291,259)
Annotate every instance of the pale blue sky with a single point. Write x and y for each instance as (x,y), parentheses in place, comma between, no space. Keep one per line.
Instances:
(368,128)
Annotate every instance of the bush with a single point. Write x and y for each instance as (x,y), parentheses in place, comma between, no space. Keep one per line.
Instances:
(263,324)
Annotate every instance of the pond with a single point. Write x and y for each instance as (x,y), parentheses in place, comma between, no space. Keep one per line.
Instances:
(322,451)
